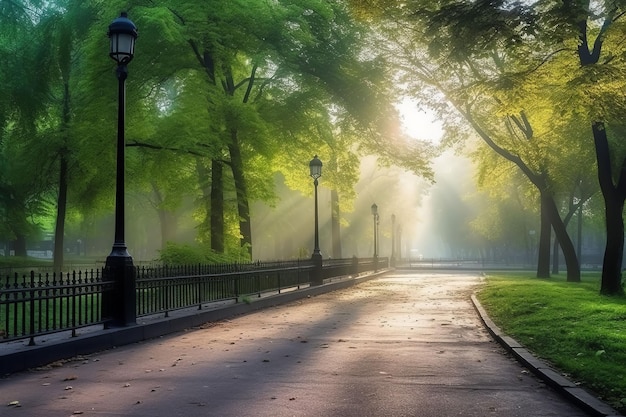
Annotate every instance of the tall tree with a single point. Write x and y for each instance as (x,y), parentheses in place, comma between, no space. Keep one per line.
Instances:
(22,98)
(597,62)
(62,28)
(249,54)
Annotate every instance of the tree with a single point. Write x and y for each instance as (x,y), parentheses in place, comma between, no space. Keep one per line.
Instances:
(461,62)
(22,98)
(250,54)
(61,26)
(601,67)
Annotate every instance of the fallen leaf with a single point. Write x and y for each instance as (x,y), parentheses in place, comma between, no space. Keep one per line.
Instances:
(69,387)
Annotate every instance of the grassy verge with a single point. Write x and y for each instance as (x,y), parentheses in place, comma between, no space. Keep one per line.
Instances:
(569,325)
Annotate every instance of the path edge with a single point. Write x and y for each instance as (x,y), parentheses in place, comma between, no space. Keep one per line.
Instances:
(550,376)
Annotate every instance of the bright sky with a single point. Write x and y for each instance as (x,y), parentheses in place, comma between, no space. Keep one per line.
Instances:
(419,124)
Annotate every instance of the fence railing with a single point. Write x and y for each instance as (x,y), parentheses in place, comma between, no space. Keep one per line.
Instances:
(36,304)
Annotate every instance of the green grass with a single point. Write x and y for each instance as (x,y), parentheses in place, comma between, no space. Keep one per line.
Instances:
(569,325)
(55,316)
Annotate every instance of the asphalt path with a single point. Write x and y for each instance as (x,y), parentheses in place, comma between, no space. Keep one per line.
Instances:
(405,344)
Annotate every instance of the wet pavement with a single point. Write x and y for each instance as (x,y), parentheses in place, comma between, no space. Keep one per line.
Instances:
(405,344)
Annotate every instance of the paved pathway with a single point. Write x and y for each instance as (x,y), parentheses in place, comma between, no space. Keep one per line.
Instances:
(401,345)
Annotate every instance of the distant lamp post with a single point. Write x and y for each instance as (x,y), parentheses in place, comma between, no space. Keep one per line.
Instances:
(393,240)
(118,304)
(375,215)
(315,167)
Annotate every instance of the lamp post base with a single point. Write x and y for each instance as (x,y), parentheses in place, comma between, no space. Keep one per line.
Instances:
(317,278)
(119,296)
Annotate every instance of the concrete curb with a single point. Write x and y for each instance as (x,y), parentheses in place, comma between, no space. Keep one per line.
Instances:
(567,388)
(64,348)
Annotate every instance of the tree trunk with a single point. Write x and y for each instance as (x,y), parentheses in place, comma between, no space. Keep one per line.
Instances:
(243,207)
(555,256)
(59,229)
(613,253)
(545,233)
(614,206)
(335,224)
(569,253)
(19,245)
(566,220)
(213,201)
(217,206)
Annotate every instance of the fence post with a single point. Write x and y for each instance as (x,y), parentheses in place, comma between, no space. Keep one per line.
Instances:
(74,288)
(31,342)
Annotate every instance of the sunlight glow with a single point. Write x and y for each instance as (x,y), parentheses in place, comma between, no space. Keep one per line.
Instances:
(419,123)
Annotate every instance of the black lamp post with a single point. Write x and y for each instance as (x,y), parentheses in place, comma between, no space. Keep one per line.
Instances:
(393,240)
(118,304)
(315,167)
(375,215)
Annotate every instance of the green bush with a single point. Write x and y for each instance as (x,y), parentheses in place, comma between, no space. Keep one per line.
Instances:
(185,254)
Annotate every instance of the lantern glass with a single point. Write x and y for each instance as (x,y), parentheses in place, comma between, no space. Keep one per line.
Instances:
(315,167)
(122,47)
(374,209)
(122,33)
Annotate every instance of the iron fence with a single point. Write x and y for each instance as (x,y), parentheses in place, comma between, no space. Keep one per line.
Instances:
(34,304)
(37,304)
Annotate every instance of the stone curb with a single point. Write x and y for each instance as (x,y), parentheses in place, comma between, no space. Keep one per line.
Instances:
(30,357)
(564,386)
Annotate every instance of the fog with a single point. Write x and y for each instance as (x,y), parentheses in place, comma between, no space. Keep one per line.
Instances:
(287,230)
(428,217)
(425,216)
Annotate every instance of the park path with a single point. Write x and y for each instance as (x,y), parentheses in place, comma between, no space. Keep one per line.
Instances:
(404,344)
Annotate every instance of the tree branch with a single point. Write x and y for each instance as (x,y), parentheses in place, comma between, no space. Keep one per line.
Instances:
(166,148)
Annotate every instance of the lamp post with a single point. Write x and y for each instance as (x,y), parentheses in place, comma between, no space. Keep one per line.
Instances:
(119,304)
(315,168)
(375,215)
(393,240)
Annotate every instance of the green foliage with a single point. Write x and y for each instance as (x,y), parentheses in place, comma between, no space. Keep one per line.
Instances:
(259,87)
(569,325)
(183,254)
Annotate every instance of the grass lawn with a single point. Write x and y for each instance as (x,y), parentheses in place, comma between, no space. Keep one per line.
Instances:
(569,325)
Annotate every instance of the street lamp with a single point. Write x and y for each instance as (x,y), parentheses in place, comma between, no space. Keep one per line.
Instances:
(375,215)
(119,304)
(315,168)
(393,240)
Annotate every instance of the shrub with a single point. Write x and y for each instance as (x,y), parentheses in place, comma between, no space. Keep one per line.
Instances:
(185,254)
